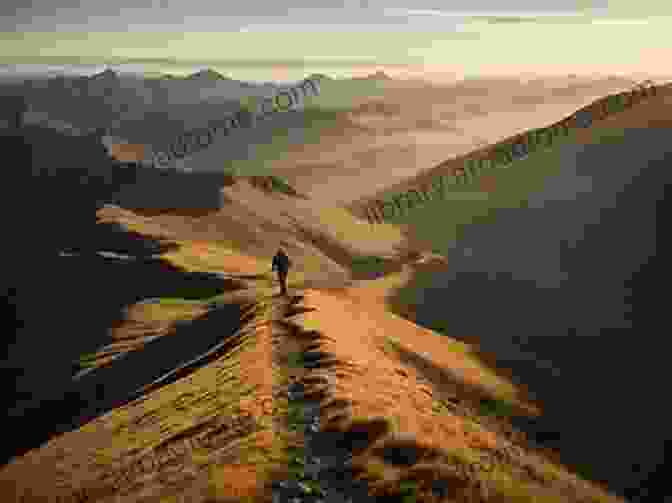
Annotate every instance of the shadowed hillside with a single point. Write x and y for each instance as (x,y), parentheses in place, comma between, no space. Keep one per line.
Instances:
(568,272)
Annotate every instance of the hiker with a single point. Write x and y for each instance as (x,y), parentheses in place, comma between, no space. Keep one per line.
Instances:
(281,263)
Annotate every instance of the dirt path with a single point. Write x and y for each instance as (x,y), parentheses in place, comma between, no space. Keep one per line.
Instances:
(361,422)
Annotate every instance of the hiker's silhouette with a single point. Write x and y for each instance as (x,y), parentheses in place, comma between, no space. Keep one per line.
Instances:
(281,263)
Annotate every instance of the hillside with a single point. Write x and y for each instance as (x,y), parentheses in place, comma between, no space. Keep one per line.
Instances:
(455,165)
(563,253)
(193,378)
(415,414)
(401,129)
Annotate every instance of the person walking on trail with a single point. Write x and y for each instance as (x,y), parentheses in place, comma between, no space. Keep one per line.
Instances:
(281,263)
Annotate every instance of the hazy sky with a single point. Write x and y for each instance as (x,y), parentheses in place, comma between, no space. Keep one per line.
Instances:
(467,37)
(209,15)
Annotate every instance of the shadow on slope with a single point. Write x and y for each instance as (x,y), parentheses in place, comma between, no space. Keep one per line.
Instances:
(65,306)
(166,191)
(113,386)
(55,183)
(113,237)
(441,379)
(588,342)
(63,179)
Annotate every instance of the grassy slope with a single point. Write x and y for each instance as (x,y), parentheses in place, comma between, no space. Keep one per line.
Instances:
(536,167)
(423,396)
(513,184)
(236,383)
(241,377)
(213,396)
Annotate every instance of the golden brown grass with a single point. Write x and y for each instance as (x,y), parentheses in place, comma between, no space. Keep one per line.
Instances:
(374,382)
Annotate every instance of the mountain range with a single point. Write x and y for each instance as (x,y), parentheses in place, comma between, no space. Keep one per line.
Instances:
(150,111)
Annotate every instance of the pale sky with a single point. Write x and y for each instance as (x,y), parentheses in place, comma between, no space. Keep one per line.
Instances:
(472,37)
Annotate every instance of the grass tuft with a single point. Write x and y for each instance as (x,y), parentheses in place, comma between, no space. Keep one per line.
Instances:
(295,359)
(88,357)
(496,407)
(280,185)
(392,344)
(367,264)
(295,416)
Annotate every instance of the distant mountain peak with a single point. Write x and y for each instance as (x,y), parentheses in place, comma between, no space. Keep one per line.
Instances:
(380,75)
(107,74)
(207,74)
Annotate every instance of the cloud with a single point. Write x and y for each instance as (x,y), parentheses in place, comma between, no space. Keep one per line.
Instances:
(484,14)
(335,27)
(554,20)
(499,17)
(621,21)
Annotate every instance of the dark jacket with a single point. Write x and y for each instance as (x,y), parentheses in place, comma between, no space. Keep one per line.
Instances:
(281,262)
